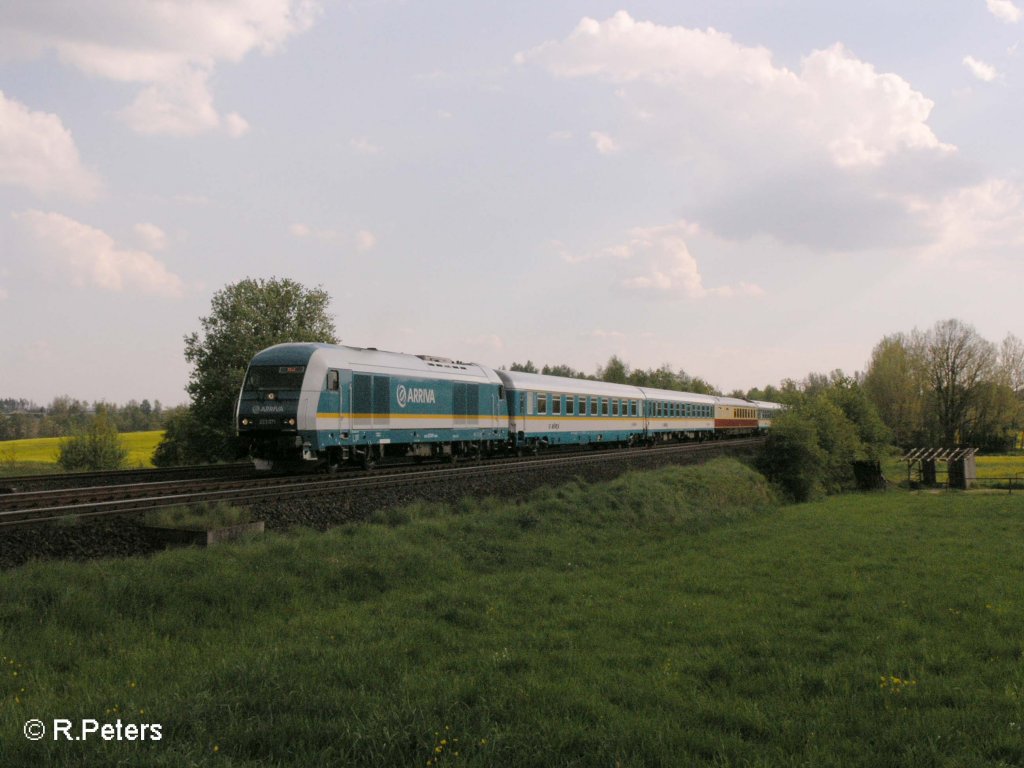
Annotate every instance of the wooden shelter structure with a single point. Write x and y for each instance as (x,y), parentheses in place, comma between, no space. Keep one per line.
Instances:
(960,465)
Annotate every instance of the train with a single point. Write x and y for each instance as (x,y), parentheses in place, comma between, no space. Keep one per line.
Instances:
(329,405)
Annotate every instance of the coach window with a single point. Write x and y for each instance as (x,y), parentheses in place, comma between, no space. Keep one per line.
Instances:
(593,406)
(542,405)
(529,403)
(556,405)
(570,405)
(332,381)
(604,406)
(615,407)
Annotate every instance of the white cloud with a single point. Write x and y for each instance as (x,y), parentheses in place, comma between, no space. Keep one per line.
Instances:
(975,221)
(365,240)
(172,47)
(837,102)
(93,258)
(980,69)
(3,293)
(1004,10)
(153,238)
(657,260)
(600,333)
(824,156)
(38,153)
(604,143)
(364,146)
(488,341)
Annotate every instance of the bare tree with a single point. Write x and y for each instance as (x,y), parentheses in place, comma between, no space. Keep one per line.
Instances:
(1011,363)
(957,361)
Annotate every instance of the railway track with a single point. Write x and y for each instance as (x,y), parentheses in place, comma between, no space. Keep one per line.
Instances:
(20,483)
(34,507)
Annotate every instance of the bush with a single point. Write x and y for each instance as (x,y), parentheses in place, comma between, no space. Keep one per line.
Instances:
(792,457)
(96,447)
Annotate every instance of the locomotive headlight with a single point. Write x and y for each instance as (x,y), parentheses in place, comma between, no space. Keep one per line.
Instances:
(271,396)
(245,422)
(291,422)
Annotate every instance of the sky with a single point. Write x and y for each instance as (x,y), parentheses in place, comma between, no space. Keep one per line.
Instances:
(749,191)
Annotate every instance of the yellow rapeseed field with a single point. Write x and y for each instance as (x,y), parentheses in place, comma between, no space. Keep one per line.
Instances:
(43,450)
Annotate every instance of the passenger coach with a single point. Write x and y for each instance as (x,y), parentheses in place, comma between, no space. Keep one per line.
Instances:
(553,410)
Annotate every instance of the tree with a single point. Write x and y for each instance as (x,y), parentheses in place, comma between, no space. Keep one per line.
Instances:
(245,317)
(566,371)
(957,363)
(616,371)
(792,458)
(527,367)
(97,446)
(895,383)
(849,396)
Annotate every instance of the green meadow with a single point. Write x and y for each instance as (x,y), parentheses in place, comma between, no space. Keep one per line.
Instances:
(671,618)
(40,454)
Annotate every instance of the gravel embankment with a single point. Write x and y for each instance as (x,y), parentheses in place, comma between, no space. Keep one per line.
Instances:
(124,537)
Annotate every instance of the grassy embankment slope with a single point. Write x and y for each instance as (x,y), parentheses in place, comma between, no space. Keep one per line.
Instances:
(40,454)
(670,618)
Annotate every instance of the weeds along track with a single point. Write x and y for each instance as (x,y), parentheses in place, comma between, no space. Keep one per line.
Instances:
(92,522)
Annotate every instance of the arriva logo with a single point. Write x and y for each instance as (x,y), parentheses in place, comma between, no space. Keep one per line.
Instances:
(414,395)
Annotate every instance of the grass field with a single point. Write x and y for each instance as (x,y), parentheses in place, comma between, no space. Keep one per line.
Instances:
(40,454)
(672,618)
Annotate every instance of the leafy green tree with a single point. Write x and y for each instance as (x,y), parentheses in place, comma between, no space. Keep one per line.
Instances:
(96,446)
(839,444)
(244,318)
(792,457)
(527,367)
(895,383)
(616,371)
(563,370)
(849,396)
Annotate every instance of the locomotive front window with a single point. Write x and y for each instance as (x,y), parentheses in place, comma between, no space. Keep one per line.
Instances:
(261,377)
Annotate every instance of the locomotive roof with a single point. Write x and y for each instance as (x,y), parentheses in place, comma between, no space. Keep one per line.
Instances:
(369,359)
